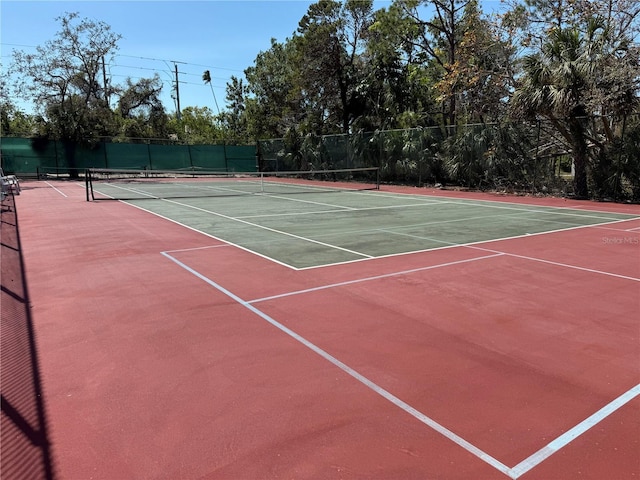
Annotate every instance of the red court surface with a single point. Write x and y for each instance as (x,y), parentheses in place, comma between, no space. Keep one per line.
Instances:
(167,354)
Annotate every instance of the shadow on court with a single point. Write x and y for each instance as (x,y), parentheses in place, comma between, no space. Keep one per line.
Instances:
(26,451)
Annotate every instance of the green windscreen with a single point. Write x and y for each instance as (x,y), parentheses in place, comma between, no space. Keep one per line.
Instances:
(55,158)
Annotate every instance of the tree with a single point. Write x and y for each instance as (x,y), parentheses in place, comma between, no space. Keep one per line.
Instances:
(206,78)
(201,125)
(452,50)
(567,82)
(273,102)
(235,118)
(63,77)
(13,121)
(396,89)
(141,111)
(331,39)
(530,21)
(482,75)
(435,41)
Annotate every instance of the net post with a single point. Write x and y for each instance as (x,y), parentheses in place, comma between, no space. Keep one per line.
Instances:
(377,178)
(88,184)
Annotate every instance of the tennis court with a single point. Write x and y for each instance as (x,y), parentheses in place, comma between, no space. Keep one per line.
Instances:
(353,332)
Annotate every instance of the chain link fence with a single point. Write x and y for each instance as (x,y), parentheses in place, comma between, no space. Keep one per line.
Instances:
(510,157)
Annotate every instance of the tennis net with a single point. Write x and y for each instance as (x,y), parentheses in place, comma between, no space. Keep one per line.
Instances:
(109,184)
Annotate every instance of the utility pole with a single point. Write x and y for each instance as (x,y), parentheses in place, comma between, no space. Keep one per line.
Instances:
(104,79)
(179,115)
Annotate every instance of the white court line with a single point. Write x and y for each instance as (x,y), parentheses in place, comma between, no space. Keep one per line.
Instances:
(299,200)
(133,190)
(424,224)
(475,247)
(514,473)
(60,192)
(280,232)
(294,214)
(485,457)
(482,202)
(558,264)
(206,247)
(618,229)
(363,255)
(367,257)
(344,209)
(150,195)
(184,186)
(469,244)
(428,200)
(226,242)
(496,253)
(541,209)
(551,212)
(567,437)
(376,277)
(516,256)
(499,218)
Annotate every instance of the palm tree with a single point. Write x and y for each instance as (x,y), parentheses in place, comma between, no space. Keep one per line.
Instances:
(556,85)
(206,78)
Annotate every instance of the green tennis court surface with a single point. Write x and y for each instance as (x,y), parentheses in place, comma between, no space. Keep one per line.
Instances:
(311,230)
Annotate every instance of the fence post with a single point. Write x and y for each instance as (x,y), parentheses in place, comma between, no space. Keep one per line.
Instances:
(536,162)
(55,150)
(106,157)
(224,152)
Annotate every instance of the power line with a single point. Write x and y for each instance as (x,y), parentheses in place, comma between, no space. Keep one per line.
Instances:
(117,65)
(142,58)
(175,61)
(18,45)
(133,66)
(167,70)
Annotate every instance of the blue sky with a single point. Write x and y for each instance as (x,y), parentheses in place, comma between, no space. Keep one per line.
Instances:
(222,36)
